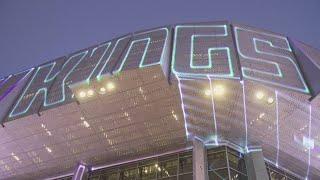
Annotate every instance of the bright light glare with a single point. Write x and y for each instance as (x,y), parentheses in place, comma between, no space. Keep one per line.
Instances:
(207,92)
(259,95)
(82,94)
(218,90)
(90,92)
(270,100)
(110,86)
(48,149)
(102,90)
(86,124)
(261,115)
(308,143)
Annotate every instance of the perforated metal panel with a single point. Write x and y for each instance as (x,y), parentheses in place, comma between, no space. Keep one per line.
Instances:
(36,91)
(10,89)
(309,60)
(204,49)
(268,58)
(146,48)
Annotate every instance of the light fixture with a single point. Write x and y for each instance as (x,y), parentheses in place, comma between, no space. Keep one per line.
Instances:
(102,90)
(259,95)
(48,149)
(90,92)
(110,86)
(270,100)
(218,90)
(86,124)
(49,133)
(308,143)
(15,156)
(82,94)
(261,115)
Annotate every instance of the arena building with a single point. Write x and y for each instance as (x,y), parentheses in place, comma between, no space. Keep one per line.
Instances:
(213,100)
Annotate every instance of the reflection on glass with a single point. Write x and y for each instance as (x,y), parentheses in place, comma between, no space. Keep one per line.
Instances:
(168,168)
(148,172)
(129,174)
(220,174)
(185,164)
(236,163)
(234,175)
(276,176)
(217,160)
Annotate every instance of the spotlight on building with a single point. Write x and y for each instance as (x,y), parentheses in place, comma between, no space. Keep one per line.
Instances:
(259,95)
(90,93)
(82,94)
(218,90)
(110,86)
(48,149)
(270,100)
(102,90)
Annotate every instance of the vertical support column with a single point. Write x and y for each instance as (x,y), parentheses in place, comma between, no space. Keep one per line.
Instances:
(200,167)
(256,168)
(81,172)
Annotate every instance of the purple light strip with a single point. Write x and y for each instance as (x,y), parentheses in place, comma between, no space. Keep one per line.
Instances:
(183,110)
(9,90)
(277,118)
(245,113)
(309,151)
(213,113)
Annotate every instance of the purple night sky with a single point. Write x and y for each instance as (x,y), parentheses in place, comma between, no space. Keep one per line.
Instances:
(35,31)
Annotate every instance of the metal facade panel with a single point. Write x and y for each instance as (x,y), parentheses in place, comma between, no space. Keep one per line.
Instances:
(141,116)
(119,46)
(204,49)
(83,66)
(10,89)
(36,91)
(146,48)
(309,61)
(267,58)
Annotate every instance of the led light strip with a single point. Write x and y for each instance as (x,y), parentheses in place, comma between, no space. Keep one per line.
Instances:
(279,74)
(214,114)
(209,66)
(142,61)
(183,110)
(309,149)
(277,120)
(110,55)
(245,114)
(8,90)
(97,64)
(44,90)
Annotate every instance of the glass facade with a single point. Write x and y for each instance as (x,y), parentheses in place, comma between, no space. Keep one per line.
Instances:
(224,163)
(168,167)
(276,174)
